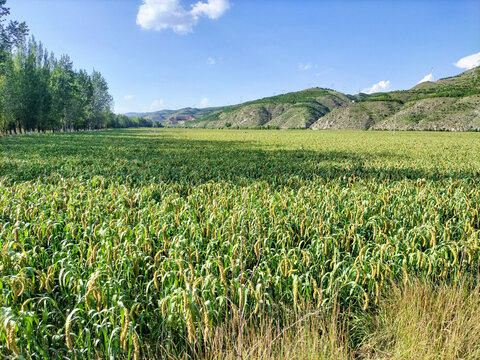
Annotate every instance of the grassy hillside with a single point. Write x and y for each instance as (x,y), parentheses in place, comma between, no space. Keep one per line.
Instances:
(447,104)
(293,110)
(357,115)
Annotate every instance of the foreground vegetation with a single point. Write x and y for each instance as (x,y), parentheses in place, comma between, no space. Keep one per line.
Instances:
(126,244)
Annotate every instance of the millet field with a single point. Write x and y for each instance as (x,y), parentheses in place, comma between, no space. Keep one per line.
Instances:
(190,244)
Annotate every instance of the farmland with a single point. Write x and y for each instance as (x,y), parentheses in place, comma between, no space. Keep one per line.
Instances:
(135,243)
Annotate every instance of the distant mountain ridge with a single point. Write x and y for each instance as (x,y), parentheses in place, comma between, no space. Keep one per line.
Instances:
(451,104)
(165,117)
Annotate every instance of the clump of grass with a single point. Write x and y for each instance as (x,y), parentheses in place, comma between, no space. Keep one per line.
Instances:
(427,321)
(318,334)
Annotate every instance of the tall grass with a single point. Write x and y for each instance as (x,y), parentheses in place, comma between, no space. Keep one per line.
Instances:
(427,321)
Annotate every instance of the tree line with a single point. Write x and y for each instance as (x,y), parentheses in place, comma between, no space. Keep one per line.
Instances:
(123,121)
(40,92)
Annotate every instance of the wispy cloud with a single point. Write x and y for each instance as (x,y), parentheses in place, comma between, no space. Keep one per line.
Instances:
(211,61)
(324,71)
(156,105)
(428,77)
(129,97)
(469,62)
(171,14)
(205,102)
(304,67)
(383,85)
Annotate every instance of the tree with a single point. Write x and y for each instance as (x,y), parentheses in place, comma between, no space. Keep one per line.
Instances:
(11,33)
(39,92)
(7,95)
(12,36)
(83,100)
(101,101)
(32,89)
(63,87)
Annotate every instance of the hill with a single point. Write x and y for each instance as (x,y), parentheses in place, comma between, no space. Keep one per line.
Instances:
(170,117)
(447,104)
(451,104)
(293,110)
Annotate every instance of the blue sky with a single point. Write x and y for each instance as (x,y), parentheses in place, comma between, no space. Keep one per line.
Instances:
(168,54)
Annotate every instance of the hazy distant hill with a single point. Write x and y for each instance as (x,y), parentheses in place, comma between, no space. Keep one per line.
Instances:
(166,116)
(447,104)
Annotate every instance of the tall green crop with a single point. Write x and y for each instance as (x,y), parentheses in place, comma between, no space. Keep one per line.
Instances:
(123,243)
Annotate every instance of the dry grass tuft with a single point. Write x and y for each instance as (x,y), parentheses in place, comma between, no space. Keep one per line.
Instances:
(423,321)
(316,335)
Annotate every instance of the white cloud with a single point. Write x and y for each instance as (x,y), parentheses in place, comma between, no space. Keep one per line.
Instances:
(129,97)
(205,102)
(304,67)
(428,77)
(211,61)
(469,62)
(212,8)
(156,105)
(170,14)
(378,87)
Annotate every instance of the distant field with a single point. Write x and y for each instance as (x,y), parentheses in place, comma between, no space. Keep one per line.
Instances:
(135,243)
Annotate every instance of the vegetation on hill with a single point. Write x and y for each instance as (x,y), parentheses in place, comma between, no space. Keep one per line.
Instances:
(292,110)
(454,107)
(446,104)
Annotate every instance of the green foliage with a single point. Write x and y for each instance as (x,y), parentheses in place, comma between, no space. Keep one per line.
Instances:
(123,121)
(11,34)
(39,92)
(308,95)
(119,241)
(381,97)
(163,116)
